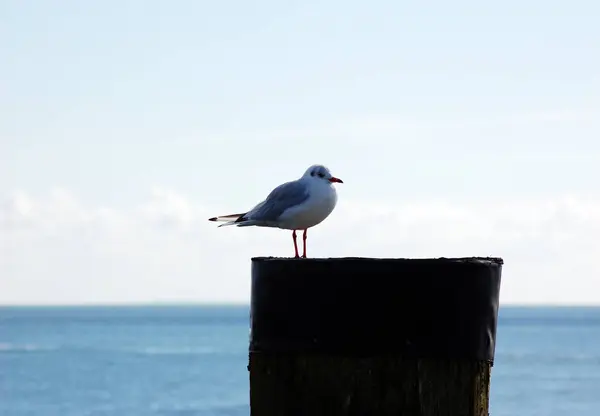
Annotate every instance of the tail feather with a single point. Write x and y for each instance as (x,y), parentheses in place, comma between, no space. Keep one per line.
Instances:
(228,223)
(231,219)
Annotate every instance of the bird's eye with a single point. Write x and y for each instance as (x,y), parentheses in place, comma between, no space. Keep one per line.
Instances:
(321,175)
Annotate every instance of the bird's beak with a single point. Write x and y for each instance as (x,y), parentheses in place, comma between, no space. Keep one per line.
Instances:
(334,179)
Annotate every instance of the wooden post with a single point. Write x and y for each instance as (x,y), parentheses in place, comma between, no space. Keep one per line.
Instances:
(360,336)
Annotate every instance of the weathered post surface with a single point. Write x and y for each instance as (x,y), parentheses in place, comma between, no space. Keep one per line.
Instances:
(361,336)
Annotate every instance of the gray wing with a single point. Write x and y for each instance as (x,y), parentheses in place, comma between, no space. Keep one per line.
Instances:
(281,198)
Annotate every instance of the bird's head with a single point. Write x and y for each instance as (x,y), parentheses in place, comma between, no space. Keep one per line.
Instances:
(320,172)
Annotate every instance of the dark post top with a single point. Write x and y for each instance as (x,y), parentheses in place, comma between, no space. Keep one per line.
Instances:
(444,307)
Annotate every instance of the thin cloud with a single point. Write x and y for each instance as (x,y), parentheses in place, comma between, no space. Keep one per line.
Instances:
(410,129)
(71,252)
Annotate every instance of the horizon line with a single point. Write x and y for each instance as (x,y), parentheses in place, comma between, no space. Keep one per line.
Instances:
(243,304)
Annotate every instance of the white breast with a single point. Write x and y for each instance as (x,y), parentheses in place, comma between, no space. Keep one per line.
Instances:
(314,210)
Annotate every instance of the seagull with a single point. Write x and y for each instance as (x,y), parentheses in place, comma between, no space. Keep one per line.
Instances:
(296,205)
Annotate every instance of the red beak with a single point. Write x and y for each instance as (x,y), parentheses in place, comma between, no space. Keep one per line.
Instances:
(334,179)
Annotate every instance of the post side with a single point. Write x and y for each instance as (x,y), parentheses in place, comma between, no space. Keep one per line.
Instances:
(357,336)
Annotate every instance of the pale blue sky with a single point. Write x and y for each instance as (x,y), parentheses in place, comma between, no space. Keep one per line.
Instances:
(481,118)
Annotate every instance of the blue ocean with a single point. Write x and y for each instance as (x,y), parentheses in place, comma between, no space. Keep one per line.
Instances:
(191,360)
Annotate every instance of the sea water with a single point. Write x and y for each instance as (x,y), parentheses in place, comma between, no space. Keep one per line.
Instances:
(191,360)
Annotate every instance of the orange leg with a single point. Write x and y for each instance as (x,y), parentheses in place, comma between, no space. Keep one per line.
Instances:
(295,243)
(304,243)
